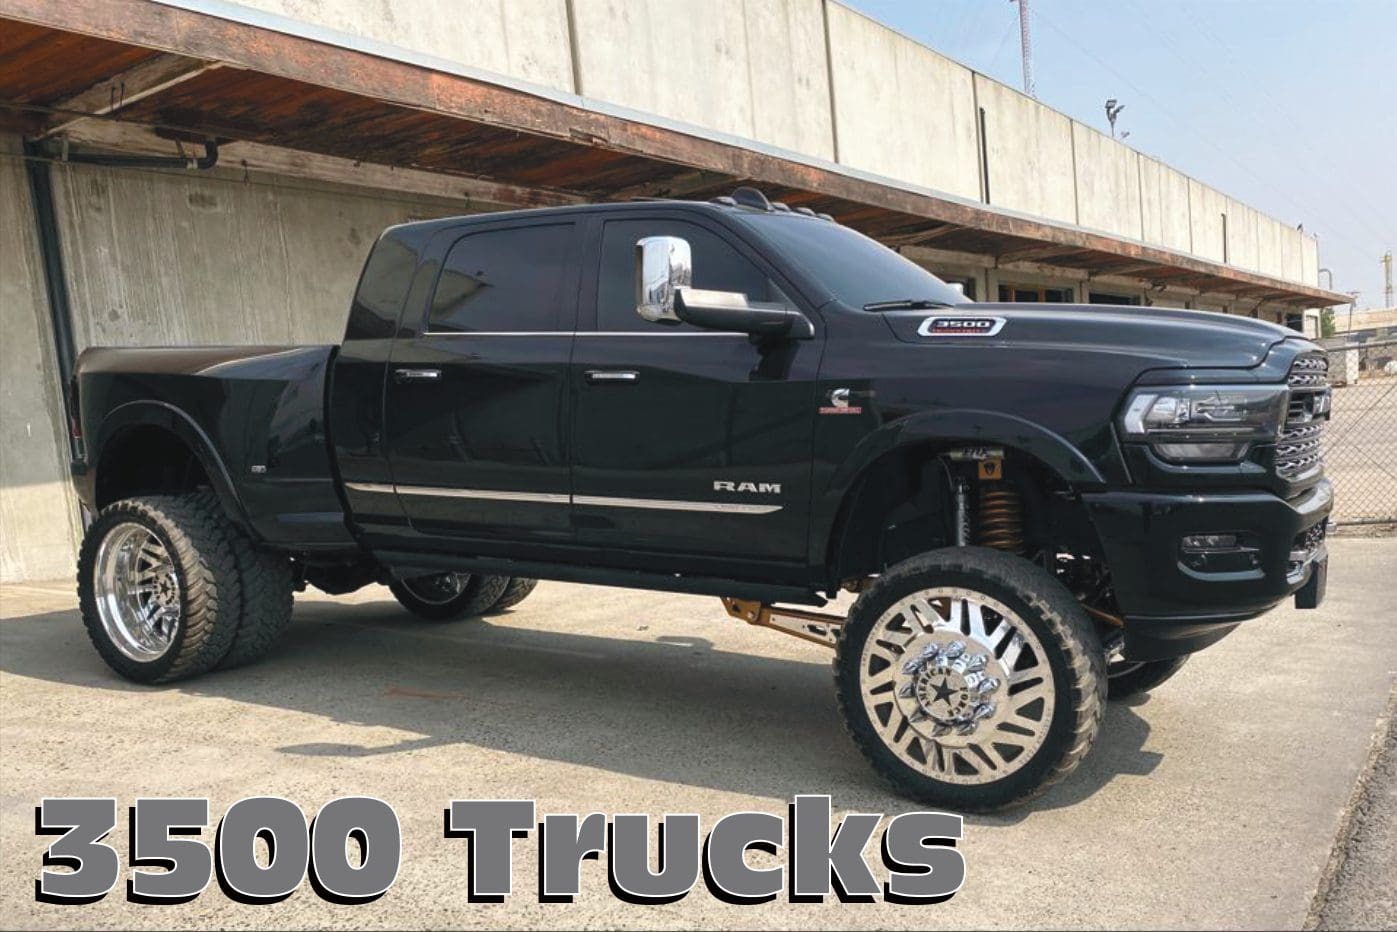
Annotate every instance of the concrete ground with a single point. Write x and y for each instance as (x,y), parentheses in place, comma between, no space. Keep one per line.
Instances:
(1215,803)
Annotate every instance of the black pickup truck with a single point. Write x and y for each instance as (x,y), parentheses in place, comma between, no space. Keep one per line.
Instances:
(1034,506)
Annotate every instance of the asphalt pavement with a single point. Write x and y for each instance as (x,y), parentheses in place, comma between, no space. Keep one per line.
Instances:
(1230,798)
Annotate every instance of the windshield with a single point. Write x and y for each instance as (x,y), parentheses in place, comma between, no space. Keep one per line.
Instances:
(856,269)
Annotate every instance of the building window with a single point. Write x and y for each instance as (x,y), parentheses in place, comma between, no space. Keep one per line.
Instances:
(1105,297)
(1034,294)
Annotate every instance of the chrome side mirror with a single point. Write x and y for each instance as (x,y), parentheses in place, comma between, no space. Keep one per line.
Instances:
(663,265)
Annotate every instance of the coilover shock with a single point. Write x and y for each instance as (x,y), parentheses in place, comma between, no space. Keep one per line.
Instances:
(1001,517)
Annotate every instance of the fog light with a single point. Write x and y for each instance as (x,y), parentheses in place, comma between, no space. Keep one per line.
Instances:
(1198,543)
(1220,555)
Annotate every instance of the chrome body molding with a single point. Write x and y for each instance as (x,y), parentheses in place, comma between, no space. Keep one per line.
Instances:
(562,498)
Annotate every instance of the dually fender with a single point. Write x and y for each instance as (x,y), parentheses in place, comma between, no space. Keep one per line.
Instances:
(164,415)
(951,427)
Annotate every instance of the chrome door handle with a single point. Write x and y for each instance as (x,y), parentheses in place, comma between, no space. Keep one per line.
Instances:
(417,375)
(612,375)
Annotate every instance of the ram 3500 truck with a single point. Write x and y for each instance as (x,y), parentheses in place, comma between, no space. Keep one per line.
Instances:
(1035,506)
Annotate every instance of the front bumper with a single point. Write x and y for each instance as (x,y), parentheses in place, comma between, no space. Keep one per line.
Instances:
(1175,604)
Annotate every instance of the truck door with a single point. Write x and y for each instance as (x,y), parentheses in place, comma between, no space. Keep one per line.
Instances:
(475,400)
(687,440)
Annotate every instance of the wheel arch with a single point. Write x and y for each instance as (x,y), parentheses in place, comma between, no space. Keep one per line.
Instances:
(884,470)
(151,447)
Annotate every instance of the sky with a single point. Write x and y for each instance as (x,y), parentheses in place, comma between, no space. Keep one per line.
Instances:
(1287,105)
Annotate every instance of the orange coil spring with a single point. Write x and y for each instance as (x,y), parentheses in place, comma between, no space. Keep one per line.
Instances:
(1001,517)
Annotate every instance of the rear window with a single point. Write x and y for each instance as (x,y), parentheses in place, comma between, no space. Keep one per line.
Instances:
(507,280)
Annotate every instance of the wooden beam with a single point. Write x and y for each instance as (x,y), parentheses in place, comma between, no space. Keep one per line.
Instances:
(681,185)
(136,83)
(921,237)
(135,139)
(1035,253)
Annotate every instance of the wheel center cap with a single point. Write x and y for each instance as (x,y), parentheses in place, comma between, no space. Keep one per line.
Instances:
(951,687)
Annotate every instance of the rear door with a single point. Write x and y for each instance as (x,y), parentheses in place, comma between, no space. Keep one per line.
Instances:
(476,399)
(688,441)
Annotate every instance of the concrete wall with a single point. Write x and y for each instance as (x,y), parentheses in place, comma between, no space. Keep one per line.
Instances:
(1206,209)
(1029,148)
(525,39)
(157,257)
(753,69)
(1164,205)
(38,511)
(900,109)
(821,79)
(1108,183)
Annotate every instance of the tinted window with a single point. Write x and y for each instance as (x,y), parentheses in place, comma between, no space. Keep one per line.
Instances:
(510,280)
(718,266)
(856,269)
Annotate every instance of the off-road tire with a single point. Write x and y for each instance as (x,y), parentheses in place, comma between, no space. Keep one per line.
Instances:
(268,583)
(1075,658)
(478,596)
(195,534)
(1142,678)
(517,591)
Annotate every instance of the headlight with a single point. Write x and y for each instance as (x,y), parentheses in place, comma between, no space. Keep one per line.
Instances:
(1205,423)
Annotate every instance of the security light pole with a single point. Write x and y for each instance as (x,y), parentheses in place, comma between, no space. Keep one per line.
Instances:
(1113,109)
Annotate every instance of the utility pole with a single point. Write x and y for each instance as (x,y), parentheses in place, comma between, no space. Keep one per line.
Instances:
(1026,48)
(1386,261)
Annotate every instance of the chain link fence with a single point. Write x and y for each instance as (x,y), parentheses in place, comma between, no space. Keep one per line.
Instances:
(1360,443)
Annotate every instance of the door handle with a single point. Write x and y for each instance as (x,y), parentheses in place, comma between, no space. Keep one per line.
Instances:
(417,375)
(612,375)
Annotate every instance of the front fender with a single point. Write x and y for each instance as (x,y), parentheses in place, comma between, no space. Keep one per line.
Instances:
(948,428)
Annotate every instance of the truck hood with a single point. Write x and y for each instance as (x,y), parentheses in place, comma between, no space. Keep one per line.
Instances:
(1157,337)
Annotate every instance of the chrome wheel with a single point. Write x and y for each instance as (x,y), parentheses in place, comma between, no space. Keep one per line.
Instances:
(438,589)
(957,685)
(137,591)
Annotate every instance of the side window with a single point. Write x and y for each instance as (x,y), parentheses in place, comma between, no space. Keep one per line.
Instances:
(506,280)
(717,267)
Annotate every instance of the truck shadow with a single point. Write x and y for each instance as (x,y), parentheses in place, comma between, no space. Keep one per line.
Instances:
(669,708)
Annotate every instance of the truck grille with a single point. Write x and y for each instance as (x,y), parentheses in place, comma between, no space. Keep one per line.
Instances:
(1298,448)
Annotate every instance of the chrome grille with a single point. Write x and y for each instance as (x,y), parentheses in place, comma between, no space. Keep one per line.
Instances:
(1298,447)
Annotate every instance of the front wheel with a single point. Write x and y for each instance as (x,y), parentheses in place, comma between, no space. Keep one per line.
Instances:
(970,678)
(1130,678)
(449,596)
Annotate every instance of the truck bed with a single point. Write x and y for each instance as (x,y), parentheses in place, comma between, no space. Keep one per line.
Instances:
(254,415)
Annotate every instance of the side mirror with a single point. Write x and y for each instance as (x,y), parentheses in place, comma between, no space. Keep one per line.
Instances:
(664,294)
(730,310)
(663,265)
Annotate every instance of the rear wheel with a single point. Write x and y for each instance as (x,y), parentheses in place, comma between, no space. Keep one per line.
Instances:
(515,592)
(449,596)
(159,588)
(970,678)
